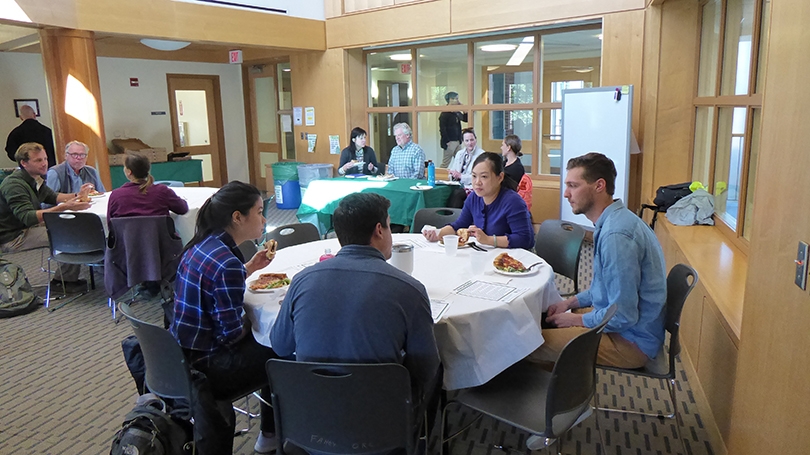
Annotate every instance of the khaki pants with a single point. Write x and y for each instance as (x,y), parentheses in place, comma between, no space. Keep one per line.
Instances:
(614,350)
(450,152)
(37,237)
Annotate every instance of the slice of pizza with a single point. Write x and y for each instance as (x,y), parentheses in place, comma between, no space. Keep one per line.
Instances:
(270,281)
(507,263)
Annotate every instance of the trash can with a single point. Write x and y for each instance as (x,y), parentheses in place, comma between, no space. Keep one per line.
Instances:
(285,183)
(309,172)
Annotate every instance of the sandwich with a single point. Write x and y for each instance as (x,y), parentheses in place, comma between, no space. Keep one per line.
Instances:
(463,236)
(270,281)
(271,246)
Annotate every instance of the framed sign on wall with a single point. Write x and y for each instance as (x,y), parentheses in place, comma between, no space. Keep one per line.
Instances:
(20,103)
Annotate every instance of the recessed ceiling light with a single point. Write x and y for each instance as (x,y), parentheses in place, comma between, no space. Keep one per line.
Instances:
(286,70)
(498,47)
(164,45)
(400,57)
(599,36)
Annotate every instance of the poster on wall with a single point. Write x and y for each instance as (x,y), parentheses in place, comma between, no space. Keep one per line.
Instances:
(310,116)
(334,144)
(298,116)
(293,8)
(311,138)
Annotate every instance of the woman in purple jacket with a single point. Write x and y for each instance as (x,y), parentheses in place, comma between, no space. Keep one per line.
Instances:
(140,196)
(494,213)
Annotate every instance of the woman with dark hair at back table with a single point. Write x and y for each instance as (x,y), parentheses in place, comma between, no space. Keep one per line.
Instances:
(358,158)
(208,307)
(140,196)
(510,149)
(494,213)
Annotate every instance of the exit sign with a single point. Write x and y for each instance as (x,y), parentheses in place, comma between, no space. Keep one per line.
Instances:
(235,56)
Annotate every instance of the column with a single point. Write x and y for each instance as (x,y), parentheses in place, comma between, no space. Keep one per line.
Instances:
(69,59)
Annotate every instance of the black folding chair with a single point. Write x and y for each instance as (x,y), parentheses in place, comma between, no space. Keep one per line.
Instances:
(74,238)
(530,398)
(352,408)
(434,216)
(559,243)
(294,234)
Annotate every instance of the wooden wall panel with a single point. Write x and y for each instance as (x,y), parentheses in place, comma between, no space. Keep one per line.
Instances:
(318,80)
(677,72)
(622,56)
(408,22)
(476,15)
(545,202)
(770,409)
(332,8)
(649,100)
(178,20)
(351,6)
(716,368)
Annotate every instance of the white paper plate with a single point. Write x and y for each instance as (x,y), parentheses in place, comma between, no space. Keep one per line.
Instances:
(465,245)
(448,182)
(356,176)
(97,195)
(421,188)
(265,291)
(530,272)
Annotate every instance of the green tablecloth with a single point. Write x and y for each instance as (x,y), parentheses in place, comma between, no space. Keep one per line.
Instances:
(183,171)
(322,197)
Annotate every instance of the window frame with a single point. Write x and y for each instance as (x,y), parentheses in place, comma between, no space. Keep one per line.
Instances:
(750,101)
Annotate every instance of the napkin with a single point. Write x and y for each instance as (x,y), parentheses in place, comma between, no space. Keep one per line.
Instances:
(428,227)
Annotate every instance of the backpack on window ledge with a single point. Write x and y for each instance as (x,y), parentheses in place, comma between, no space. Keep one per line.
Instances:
(667,195)
(16,294)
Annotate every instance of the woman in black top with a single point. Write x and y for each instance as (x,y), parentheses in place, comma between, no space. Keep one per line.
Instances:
(510,149)
(357,158)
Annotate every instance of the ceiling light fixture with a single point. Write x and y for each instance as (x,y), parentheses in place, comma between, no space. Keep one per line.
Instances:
(599,36)
(498,47)
(164,45)
(400,57)
(521,52)
(587,69)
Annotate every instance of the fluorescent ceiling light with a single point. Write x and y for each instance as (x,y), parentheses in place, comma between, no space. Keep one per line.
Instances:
(400,57)
(498,47)
(286,70)
(164,45)
(584,70)
(521,52)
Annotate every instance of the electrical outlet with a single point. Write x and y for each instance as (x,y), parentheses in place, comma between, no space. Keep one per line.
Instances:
(801,266)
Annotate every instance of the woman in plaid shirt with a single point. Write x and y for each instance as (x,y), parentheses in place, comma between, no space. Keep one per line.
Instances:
(208,321)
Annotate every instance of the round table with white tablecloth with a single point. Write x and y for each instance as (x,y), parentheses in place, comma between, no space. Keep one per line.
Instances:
(194,196)
(477,338)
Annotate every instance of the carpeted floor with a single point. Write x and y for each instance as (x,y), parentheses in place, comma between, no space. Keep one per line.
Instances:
(64,388)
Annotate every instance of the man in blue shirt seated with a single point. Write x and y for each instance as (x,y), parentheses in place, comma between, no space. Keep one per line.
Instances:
(407,160)
(628,271)
(71,174)
(357,308)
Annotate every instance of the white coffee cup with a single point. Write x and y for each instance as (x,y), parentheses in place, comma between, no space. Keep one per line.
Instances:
(402,257)
(450,244)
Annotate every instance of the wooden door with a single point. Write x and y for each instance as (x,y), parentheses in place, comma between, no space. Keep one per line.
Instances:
(196,115)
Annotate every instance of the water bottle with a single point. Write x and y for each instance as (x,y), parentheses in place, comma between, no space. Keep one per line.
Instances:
(327,254)
(431,173)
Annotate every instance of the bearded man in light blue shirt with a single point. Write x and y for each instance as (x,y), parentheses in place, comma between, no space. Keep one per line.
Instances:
(628,271)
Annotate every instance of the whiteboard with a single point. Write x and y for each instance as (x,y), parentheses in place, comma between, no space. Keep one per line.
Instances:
(594,121)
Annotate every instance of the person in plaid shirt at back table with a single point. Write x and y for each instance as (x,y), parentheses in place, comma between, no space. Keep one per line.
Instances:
(407,159)
(208,322)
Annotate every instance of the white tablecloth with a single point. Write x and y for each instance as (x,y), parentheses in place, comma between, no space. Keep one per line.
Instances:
(477,338)
(194,196)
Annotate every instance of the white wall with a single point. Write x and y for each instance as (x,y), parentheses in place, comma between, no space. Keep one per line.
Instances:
(127,110)
(21,77)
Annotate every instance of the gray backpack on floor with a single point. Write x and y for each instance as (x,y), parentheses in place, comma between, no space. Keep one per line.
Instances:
(16,295)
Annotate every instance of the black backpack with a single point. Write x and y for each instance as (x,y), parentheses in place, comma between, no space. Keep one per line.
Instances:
(668,195)
(149,430)
(16,295)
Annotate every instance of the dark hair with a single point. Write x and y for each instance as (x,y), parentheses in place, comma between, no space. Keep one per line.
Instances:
(216,213)
(357,216)
(468,130)
(496,164)
(356,132)
(596,166)
(140,166)
(23,152)
(449,95)
(514,143)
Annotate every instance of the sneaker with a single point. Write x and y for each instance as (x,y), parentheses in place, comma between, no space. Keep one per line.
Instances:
(70,287)
(266,442)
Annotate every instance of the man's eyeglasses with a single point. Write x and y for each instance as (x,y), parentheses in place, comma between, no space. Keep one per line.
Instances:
(78,155)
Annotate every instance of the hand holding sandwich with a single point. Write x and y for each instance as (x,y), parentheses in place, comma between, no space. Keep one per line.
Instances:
(263,257)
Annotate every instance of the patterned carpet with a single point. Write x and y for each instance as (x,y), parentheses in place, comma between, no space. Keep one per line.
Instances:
(64,388)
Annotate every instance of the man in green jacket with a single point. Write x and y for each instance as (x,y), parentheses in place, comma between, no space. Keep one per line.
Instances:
(21,197)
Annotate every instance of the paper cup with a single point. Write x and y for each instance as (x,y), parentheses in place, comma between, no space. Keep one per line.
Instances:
(450,244)
(478,262)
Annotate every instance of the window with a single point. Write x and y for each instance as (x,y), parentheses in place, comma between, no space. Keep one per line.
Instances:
(507,84)
(728,106)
